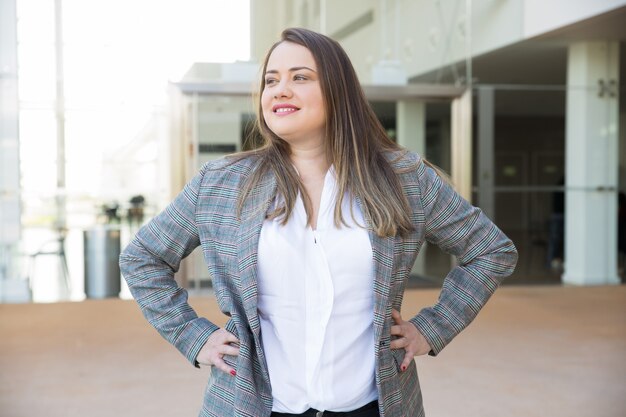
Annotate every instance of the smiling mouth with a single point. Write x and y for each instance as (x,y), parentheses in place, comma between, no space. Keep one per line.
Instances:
(285,109)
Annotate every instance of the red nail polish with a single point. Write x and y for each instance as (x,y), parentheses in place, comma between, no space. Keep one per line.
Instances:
(233,373)
(403,368)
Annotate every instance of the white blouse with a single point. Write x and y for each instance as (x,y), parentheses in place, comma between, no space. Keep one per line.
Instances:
(316,304)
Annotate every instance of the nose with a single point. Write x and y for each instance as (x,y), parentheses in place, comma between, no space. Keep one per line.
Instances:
(282,90)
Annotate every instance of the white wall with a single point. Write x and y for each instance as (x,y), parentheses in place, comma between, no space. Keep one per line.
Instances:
(542,16)
(433,34)
(267,20)
(425,35)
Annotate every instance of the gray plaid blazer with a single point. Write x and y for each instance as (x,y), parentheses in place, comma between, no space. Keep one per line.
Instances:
(204,214)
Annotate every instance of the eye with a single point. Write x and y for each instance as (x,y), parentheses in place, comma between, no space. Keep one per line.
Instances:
(270,81)
(299,77)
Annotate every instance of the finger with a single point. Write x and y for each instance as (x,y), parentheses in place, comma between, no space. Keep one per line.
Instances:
(406,362)
(222,366)
(395,314)
(230,338)
(399,343)
(396,331)
(230,350)
(222,336)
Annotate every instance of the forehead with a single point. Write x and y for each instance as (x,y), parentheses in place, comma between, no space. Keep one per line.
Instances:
(289,55)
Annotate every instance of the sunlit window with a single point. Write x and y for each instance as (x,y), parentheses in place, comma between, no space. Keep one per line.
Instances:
(117,59)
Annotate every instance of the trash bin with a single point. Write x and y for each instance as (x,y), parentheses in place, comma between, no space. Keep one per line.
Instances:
(102,270)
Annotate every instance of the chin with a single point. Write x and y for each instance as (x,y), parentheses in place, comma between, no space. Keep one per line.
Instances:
(285,135)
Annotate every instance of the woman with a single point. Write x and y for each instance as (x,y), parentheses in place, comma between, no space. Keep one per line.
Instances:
(309,241)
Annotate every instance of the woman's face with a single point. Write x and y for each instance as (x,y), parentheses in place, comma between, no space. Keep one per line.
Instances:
(292,101)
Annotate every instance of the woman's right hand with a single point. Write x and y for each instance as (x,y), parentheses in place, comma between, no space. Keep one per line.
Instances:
(220,343)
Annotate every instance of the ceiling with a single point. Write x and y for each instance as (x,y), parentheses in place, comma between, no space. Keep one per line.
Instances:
(537,63)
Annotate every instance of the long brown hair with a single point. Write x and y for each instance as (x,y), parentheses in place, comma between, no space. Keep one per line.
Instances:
(355,140)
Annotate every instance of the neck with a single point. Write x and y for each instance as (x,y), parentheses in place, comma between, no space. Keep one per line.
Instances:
(311,163)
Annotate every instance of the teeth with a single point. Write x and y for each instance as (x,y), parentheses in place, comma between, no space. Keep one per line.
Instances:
(285,110)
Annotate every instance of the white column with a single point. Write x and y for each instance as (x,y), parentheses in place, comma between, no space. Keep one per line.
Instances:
(461,144)
(411,125)
(411,134)
(12,289)
(9,141)
(591,164)
(61,209)
(486,150)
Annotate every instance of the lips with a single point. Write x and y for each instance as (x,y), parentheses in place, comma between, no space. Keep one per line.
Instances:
(284,109)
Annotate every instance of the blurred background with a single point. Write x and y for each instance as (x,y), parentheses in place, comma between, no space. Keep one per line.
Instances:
(109,108)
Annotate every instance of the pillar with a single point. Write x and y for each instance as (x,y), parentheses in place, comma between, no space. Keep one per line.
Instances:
(461,144)
(486,150)
(411,125)
(9,141)
(12,289)
(411,134)
(591,164)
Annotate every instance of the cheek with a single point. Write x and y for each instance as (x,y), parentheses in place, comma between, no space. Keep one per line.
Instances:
(265,102)
(320,103)
(321,110)
(266,110)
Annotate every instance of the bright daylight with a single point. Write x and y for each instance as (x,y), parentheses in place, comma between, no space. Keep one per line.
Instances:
(312,208)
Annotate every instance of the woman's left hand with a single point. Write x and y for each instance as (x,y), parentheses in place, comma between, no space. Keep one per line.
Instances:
(408,338)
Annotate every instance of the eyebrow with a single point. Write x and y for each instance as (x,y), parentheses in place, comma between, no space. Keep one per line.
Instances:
(292,69)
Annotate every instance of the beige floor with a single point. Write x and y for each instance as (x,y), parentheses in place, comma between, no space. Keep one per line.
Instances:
(533,351)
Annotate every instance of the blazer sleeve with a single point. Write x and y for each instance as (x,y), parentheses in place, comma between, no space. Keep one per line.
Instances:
(149,262)
(485,256)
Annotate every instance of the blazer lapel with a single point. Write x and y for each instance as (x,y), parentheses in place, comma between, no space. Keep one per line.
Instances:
(382,252)
(252,216)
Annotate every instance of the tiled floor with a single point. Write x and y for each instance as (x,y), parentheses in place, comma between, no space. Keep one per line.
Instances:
(533,351)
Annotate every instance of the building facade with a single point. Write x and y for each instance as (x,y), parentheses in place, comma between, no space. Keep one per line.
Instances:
(547,153)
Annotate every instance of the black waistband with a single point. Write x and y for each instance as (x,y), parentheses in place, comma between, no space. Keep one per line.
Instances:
(311,412)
